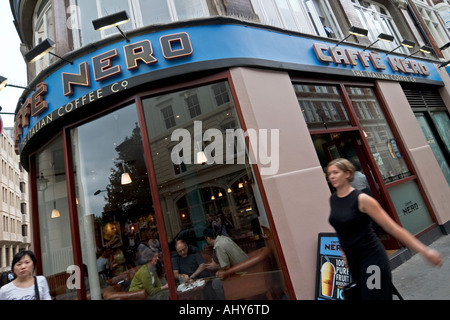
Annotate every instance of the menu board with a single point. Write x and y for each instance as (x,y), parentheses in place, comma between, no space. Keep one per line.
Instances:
(331,274)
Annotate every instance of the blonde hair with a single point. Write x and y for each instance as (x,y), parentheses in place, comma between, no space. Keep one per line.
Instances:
(344,165)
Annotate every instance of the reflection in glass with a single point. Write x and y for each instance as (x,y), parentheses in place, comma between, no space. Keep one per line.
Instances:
(56,242)
(115,219)
(221,194)
(379,136)
(321,106)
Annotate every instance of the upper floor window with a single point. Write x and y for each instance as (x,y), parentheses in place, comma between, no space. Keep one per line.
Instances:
(141,13)
(377,19)
(437,30)
(307,16)
(43,29)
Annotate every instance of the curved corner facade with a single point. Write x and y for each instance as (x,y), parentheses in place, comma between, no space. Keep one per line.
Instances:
(268,92)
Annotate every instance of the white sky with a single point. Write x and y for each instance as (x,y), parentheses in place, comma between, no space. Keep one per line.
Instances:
(12,64)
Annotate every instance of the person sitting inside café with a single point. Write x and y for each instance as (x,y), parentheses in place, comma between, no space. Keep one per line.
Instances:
(188,263)
(227,252)
(147,278)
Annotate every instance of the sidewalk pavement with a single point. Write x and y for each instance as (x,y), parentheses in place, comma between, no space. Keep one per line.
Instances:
(416,279)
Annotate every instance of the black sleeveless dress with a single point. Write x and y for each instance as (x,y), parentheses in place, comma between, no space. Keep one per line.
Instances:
(366,256)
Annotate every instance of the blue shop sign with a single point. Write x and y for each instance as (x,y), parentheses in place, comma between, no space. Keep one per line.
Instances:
(157,55)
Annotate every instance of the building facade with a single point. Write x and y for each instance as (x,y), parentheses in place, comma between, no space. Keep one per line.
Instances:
(15,224)
(268,91)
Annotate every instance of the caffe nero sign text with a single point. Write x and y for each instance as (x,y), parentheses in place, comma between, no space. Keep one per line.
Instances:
(123,65)
(173,46)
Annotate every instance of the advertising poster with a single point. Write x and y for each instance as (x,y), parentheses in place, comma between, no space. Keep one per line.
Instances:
(332,274)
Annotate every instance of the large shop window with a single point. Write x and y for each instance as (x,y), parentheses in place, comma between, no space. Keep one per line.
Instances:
(378,134)
(54,225)
(321,106)
(408,201)
(115,209)
(218,193)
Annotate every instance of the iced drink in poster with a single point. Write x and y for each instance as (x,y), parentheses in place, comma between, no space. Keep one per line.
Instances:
(327,276)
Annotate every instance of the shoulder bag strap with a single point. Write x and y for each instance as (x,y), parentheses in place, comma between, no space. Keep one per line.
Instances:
(36,289)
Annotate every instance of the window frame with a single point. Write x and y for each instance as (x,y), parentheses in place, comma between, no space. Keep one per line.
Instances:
(432,20)
(41,20)
(387,25)
(309,14)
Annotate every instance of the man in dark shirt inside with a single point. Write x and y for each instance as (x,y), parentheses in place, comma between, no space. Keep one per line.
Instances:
(188,262)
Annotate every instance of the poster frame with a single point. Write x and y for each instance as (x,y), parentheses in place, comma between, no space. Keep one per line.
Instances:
(332,254)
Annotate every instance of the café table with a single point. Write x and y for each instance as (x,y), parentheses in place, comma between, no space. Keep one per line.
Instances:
(191,290)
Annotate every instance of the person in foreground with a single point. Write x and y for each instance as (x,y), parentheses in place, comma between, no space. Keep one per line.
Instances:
(23,286)
(351,216)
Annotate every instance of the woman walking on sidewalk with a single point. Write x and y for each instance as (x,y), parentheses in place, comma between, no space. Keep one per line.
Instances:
(351,216)
(25,286)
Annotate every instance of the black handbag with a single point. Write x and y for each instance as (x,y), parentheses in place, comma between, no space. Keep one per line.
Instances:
(36,289)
